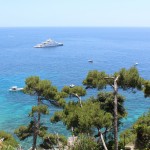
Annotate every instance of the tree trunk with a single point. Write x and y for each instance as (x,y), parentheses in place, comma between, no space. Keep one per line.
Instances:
(79,99)
(39,115)
(116,113)
(35,128)
(115,123)
(34,141)
(105,134)
(80,102)
(102,139)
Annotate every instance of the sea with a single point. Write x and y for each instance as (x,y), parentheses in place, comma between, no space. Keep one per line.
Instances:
(110,49)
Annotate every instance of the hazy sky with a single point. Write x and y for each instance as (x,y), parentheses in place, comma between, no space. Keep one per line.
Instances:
(75,13)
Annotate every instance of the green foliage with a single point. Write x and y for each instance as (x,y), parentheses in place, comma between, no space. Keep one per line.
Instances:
(106,100)
(42,109)
(75,90)
(84,119)
(127,137)
(130,79)
(60,95)
(24,132)
(50,92)
(142,129)
(52,140)
(31,84)
(57,117)
(127,79)
(44,90)
(42,130)
(8,142)
(85,143)
(147,89)
(94,114)
(9,147)
(59,99)
(61,102)
(139,134)
(95,79)
(101,119)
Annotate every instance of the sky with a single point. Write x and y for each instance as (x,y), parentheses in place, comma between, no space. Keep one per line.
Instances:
(75,13)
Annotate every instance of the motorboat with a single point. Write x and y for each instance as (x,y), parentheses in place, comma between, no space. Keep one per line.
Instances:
(72,85)
(15,88)
(48,43)
(90,61)
(135,64)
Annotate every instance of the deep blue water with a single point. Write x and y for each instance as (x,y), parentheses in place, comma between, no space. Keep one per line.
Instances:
(109,48)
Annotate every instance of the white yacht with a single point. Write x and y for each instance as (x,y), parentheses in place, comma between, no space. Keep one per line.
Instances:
(48,43)
(15,88)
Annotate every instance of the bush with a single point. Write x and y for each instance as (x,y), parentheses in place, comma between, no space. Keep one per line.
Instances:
(85,143)
(9,142)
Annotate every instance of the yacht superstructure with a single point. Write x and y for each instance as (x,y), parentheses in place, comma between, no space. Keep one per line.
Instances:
(48,43)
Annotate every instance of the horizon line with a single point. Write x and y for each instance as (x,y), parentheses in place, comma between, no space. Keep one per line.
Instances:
(74,26)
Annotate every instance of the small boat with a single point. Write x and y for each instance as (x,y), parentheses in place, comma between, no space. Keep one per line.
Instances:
(91,61)
(15,88)
(48,43)
(136,64)
(72,85)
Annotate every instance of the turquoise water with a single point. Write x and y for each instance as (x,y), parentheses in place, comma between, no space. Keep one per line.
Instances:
(109,48)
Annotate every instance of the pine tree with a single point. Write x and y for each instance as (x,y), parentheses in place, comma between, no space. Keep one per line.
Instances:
(43,90)
(125,79)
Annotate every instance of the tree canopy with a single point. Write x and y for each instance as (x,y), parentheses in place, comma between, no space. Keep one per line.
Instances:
(83,119)
(44,90)
(24,132)
(106,103)
(85,142)
(128,78)
(124,79)
(53,140)
(79,90)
